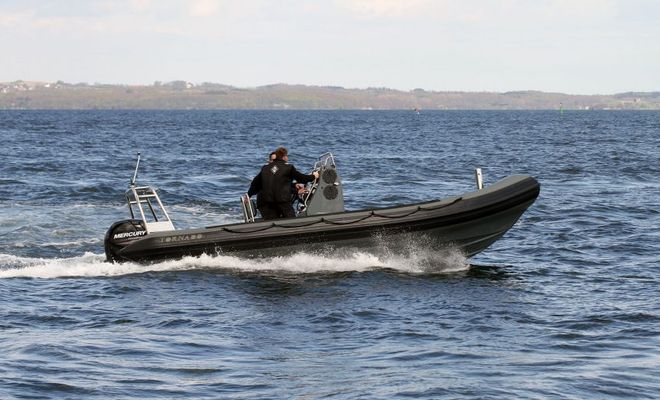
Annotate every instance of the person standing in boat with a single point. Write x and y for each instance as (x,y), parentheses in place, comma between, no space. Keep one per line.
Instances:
(260,198)
(273,186)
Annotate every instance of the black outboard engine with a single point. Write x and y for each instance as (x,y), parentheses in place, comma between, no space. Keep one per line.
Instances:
(121,234)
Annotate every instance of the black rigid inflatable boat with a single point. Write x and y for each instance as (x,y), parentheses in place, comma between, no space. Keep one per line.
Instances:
(470,222)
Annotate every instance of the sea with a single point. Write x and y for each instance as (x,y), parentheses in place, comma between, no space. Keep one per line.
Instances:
(565,306)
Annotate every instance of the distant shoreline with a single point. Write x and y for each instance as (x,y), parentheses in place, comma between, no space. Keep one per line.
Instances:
(182,95)
(614,110)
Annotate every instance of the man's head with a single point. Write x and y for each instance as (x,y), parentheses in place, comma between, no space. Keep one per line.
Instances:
(271,157)
(282,153)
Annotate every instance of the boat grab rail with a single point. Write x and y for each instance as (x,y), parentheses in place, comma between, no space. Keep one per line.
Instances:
(248,208)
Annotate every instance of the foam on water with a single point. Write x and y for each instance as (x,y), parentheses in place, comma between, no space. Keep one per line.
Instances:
(94,265)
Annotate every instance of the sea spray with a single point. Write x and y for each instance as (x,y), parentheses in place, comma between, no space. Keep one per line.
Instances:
(417,261)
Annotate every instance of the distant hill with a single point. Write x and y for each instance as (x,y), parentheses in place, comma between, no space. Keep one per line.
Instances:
(185,95)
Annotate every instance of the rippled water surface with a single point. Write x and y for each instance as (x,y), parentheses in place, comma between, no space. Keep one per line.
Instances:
(566,305)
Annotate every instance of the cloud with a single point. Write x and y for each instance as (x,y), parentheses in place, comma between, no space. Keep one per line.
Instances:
(204,8)
(128,17)
(141,5)
(488,11)
(385,8)
(15,19)
(587,9)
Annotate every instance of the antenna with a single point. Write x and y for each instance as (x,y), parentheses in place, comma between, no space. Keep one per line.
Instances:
(137,165)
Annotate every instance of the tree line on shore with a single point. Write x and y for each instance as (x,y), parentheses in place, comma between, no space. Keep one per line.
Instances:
(186,95)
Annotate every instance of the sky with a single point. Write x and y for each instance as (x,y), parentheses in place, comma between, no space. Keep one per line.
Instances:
(567,46)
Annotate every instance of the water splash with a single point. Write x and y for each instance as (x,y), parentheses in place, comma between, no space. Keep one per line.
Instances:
(94,265)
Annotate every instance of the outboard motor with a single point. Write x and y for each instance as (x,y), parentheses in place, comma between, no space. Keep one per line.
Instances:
(327,195)
(121,234)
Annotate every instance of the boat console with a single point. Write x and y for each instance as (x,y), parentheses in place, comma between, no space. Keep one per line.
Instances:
(323,196)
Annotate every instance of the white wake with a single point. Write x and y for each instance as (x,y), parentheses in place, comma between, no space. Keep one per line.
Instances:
(419,261)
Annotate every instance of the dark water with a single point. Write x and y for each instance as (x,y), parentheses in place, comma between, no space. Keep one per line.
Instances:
(566,305)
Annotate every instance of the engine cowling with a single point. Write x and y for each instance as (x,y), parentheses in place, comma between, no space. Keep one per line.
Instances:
(121,234)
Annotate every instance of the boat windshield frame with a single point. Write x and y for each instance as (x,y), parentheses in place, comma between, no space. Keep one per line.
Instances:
(324,160)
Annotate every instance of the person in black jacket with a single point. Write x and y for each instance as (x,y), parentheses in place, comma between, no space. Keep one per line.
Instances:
(260,200)
(273,186)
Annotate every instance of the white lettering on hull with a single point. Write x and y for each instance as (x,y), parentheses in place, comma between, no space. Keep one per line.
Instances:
(181,238)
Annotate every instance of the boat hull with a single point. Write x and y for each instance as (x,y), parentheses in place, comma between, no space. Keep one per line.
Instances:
(470,222)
